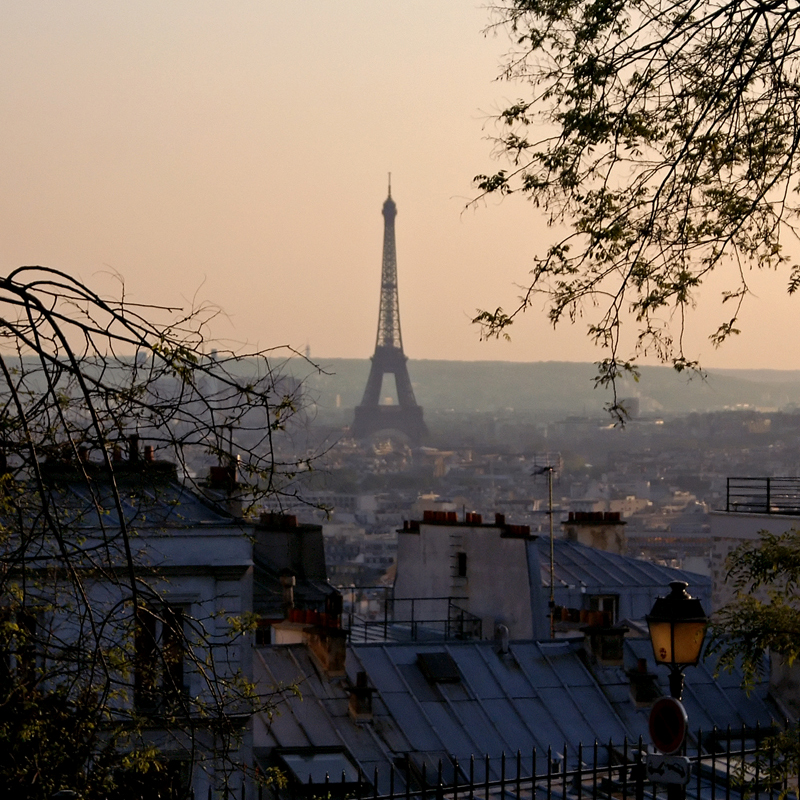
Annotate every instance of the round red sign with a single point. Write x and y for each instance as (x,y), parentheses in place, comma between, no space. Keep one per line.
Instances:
(668,724)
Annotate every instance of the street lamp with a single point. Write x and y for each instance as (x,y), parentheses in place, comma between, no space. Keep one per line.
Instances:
(677,625)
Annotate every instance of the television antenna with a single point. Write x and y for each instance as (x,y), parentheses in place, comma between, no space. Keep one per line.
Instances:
(552,464)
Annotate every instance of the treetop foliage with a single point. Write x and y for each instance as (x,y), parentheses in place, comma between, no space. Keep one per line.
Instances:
(764,616)
(763,621)
(665,136)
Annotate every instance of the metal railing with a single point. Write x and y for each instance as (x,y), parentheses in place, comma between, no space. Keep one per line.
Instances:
(406,618)
(763,495)
(726,765)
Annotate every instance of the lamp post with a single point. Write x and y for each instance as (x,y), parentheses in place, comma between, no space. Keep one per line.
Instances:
(677,626)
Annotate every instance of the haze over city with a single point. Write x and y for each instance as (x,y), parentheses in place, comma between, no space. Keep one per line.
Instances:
(239,153)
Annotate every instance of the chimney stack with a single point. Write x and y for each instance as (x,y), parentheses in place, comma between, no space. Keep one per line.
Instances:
(360,707)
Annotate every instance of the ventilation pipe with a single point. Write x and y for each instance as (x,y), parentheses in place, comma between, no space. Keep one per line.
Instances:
(501,634)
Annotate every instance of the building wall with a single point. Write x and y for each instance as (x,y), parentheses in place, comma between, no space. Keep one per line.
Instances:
(496,587)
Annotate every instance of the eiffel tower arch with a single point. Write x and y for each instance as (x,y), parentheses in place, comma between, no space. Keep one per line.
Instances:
(389,358)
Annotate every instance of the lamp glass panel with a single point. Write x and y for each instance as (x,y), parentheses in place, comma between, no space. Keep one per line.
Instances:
(688,641)
(661,639)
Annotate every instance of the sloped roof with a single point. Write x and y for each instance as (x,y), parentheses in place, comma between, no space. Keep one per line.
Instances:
(146,505)
(538,695)
(577,565)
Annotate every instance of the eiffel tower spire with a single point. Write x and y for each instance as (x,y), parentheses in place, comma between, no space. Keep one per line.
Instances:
(389,311)
(389,357)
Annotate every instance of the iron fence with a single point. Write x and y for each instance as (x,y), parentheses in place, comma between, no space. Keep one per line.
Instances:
(763,495)
(724,765)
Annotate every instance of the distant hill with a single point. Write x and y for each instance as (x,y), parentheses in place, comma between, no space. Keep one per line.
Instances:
(554,389)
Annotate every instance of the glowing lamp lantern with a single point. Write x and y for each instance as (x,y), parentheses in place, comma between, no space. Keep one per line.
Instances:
(677,625)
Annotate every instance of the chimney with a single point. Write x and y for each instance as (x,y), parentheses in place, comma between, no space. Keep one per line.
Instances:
(643,685)
(605,643)
(148,452)
(328,646)
(133,448)
(360,707)
(603,530)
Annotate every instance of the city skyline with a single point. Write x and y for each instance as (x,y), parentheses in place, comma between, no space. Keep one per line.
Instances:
(239,154)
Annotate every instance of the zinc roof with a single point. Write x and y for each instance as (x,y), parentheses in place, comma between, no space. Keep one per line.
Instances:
(578,565)
(538,695)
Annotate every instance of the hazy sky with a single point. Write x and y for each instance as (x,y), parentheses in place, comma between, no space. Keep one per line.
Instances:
(238,152)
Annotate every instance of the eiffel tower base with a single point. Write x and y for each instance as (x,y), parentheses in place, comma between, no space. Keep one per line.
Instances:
(373,419)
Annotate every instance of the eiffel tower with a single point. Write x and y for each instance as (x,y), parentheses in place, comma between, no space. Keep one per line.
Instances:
(406,416)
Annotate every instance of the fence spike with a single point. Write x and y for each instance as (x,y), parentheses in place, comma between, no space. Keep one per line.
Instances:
(624,769)
(471,776)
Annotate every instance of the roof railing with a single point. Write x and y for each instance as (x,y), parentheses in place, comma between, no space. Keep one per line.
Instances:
(763,496)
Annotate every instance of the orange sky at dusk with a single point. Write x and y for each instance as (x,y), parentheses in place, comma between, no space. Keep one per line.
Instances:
(238,152)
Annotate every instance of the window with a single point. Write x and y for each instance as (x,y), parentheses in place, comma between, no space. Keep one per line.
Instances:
(306,769)
(160,650)
(608,604)
(461,565)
